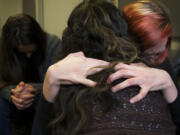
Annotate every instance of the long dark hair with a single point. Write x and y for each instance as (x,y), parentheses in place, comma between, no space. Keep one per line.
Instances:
(18,30)
(97,28)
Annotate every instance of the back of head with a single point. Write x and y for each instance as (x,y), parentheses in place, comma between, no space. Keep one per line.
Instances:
(20,29)
(95,27)
(149,23)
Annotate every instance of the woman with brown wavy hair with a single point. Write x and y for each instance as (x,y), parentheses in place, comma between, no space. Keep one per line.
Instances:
(95,27)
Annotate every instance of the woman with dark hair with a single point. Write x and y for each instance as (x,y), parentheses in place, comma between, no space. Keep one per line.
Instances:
(95,28)
(26,51)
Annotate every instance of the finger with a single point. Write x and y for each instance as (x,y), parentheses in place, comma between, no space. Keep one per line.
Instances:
(97,62)
(28,85)
(138,64)
(19,89)
(27,96)
(125,84)
(95,65)
(17,100)
(27,102)
(122,66)
(30,90)
(21,84)
(87,82)
(94,70)
(16,92)
(19,106)
(13,91)
(121,73)
(139,96)
(28,105)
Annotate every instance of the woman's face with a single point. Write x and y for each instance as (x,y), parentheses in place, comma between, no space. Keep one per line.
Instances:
(157,50)
(28,50)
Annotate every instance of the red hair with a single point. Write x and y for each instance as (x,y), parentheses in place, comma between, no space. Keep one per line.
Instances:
(149,23)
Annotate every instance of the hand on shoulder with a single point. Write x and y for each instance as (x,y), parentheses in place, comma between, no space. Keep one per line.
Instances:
(147,78)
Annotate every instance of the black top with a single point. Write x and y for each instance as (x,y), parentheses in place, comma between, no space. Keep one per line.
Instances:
(175,106)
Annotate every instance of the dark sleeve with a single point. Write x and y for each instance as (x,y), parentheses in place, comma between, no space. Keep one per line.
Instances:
(44,113)
(38,87)
(53,46)
(5,92)
(175,106)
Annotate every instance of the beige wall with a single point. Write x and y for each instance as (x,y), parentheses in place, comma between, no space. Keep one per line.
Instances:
(172,5)
(8,8)
(56,13)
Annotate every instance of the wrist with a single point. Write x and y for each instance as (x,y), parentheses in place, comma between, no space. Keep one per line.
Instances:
(170,90)
(48,87)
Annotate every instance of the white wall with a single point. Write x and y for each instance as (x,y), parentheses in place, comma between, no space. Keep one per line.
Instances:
(8,8)
(56,13)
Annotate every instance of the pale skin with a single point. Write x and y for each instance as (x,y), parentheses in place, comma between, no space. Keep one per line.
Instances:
(23,95)
(149,79)
(73,69)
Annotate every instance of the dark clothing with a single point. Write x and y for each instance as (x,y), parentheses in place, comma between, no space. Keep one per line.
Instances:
(34,77)
(31,73)
(175,106)
(53,45)
(5,117)
(149,116)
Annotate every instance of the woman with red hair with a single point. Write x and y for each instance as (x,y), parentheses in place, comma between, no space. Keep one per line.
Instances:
(150,26)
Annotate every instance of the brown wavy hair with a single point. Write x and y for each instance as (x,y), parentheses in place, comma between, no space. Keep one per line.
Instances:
(97,28)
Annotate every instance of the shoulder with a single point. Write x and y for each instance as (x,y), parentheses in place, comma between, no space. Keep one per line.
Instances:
(53,43)
(53,40)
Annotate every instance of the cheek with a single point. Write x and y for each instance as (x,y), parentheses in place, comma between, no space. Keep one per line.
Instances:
(159,48)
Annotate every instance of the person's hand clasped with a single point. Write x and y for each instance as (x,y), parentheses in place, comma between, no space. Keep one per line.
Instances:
(148,79)
(73,69)
(23,95)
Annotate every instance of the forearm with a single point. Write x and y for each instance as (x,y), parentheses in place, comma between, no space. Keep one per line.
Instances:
(50,85)
(169,91)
